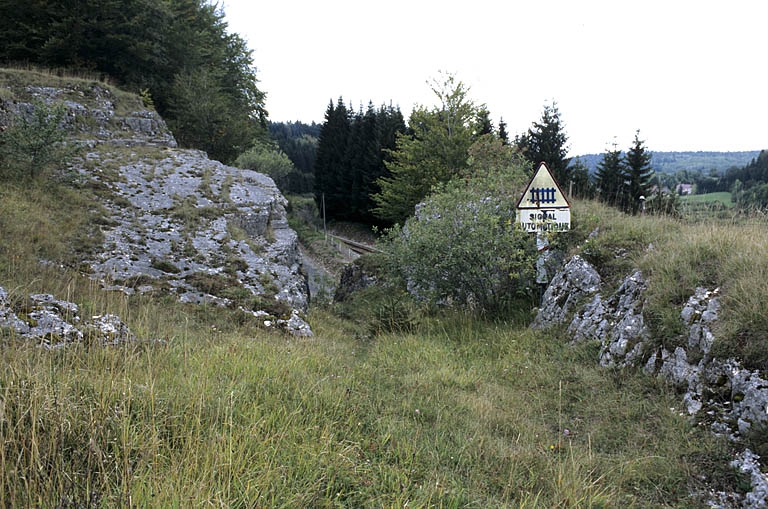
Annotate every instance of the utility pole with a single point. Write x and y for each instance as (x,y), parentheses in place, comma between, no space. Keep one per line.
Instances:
(325,232)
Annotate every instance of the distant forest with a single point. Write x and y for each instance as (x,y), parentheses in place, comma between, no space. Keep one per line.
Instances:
(299,142)
(672,162)
(743,174)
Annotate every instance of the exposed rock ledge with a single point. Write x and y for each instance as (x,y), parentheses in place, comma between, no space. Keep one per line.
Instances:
(177,221)
(732,399)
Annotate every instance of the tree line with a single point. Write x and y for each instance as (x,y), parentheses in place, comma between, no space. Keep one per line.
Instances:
(177,53)
(353,151)
(749,185)
(363,172)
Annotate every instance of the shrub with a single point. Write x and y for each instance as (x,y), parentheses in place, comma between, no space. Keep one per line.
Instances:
(463,247)
(270,162)
(33,142)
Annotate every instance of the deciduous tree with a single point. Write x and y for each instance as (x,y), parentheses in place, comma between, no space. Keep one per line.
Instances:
(433,152)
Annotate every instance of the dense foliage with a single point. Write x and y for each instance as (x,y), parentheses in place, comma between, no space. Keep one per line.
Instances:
(200,77)
(462,246)
(352,152)
(269,161)
(432,152)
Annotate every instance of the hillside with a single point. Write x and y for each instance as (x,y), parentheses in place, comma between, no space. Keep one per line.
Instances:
(163,220)
(672,162)
(197,399)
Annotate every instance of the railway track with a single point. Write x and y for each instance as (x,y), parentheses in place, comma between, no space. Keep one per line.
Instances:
(356,247)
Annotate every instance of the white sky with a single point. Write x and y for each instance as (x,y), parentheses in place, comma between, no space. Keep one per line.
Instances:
(691,75)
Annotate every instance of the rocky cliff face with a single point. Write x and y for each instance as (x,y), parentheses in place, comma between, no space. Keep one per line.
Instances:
(175,221)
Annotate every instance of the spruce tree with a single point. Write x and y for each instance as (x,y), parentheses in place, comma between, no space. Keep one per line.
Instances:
(331,163)
(609,178)
(546,141)
(582,184)
(503,134)
(639,174)
(484,124)
(364,159)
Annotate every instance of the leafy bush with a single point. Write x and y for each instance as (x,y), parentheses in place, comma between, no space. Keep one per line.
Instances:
(33,142)
(270,162)
(463,247)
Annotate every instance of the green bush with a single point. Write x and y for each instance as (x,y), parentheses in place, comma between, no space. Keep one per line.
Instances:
(463,247)
(32,144)
(270,162)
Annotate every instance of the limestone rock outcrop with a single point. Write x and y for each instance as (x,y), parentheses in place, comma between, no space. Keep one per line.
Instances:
(174,220)
(577,280)
(721,392)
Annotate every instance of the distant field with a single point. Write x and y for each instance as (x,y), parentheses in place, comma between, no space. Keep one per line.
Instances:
(723,197)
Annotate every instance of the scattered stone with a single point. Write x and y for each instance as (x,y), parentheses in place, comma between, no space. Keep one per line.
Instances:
(109,329)
(295,325)
(748,463)
(8,319)
(53,323)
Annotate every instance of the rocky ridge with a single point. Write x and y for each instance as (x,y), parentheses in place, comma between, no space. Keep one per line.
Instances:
(732,400)
(174,220)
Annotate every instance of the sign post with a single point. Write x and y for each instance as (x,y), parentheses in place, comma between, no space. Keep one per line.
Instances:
(543,207)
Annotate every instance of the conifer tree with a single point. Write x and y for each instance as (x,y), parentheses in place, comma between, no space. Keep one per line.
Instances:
(639,174)
(331,162)
(503,134)
(546,141)
(363,159)
(582,183)
(484,124)
(351,157)
(609,178)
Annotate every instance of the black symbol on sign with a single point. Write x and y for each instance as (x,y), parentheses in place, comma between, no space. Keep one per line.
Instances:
(542,195)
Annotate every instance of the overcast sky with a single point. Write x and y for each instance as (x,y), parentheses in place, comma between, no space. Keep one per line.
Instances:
(691,75)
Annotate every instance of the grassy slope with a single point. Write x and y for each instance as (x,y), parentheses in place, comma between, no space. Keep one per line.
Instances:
(459,413)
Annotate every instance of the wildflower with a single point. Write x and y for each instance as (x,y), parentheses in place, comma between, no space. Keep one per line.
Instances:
(566,432)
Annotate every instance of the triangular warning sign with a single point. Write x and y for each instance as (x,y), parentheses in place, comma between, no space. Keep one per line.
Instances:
(543,192)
